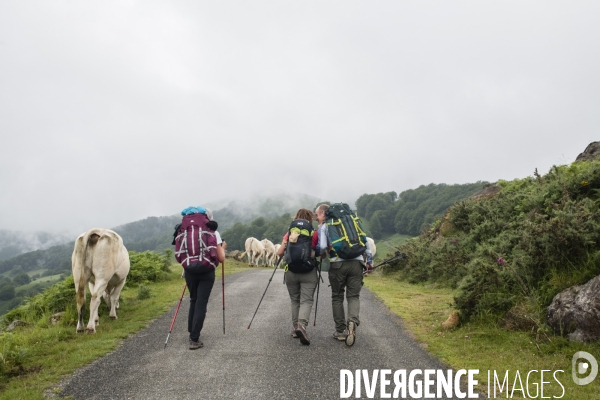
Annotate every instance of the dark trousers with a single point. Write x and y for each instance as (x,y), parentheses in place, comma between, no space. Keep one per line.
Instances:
(200,285)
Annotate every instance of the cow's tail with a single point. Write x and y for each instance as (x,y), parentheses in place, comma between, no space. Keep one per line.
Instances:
(90,239)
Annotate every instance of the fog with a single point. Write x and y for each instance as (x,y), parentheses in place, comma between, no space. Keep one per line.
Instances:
(118,110)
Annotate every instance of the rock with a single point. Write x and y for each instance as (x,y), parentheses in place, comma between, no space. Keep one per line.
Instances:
(452,321)
(16,323)
(590,153)
(446,226)
(576,312)
(519,318)
(235,254)
(488,191)
(56,318)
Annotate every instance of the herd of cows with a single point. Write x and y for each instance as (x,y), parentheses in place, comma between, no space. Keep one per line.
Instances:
(101,261)
(265,250)
(257,250)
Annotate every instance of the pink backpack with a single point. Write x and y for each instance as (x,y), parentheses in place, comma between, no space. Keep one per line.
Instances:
(195,242)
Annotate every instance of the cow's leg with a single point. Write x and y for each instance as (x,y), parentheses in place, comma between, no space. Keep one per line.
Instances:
(91,285)
(106,297)
(114,299)
(99,288)
(80,299)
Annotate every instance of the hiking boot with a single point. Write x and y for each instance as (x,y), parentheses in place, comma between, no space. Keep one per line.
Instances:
(350,339)
(294,335)
(301,332)
(196,345)
(341,336)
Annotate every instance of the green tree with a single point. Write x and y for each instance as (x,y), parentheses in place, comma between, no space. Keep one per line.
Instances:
(7,292)
(21,279)
(379,202)
(376,229)
(361,204)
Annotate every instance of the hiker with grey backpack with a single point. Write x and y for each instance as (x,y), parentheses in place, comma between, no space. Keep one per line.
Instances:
(298,250)
(342,238)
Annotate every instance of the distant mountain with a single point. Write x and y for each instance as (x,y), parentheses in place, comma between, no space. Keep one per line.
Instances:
(156,233)
(13,243)
(269,207)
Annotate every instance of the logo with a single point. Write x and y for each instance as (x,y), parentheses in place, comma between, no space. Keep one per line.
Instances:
(583,367)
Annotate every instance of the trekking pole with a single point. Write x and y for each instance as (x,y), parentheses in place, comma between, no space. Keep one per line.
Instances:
(398,256)
(223,284)
(318,286)
(261,299)
(175,316)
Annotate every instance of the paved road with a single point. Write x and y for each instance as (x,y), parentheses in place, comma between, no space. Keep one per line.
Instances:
(264,362)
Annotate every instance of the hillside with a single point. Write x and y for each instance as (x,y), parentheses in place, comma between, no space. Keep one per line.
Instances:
(13,243)
(268,207)
(152,233)
(413,210)
(156,233)
(514,247)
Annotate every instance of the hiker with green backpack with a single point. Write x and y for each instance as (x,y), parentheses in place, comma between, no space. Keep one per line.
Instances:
(342,238)
(298,249)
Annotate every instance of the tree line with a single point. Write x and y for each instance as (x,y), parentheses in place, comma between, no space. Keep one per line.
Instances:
(260,228)
(412,210)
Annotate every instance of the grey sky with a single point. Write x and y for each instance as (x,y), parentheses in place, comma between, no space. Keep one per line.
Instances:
(114,111)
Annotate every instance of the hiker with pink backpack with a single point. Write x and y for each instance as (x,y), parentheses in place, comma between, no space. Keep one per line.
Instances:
(199,249)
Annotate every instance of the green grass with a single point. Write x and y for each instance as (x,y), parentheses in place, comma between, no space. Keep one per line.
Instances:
(44,281)
(49,353)
(48,278)
(41,284)
(384,251)
(39,271)
(482,346)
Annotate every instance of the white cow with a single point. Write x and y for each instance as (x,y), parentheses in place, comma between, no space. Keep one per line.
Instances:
(372,246)
(101,260)
(269,252)
(274,259)
(254,250)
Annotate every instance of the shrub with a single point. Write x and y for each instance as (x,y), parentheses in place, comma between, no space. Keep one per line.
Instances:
(54,299)
(535,238)
(147,267)
(143,292)
(7,291)
(12,356)
(21,279)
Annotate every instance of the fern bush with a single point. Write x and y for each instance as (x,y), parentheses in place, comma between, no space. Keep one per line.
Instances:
(147,267)
(144,292)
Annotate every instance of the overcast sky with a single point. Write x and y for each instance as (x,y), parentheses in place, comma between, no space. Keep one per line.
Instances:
(113,111)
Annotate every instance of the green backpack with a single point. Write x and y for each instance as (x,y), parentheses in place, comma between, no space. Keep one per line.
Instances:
(347,235)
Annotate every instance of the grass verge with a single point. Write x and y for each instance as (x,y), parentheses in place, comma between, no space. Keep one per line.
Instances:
(485,346)
(47,353)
